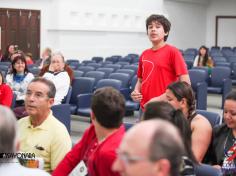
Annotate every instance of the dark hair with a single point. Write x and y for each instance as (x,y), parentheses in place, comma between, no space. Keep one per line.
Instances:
(164,110)
(21,57)
(231,96)
(52,89)
(7,55)
(206,57)
(182,90)
(162,20)
(165,145)
(108,106)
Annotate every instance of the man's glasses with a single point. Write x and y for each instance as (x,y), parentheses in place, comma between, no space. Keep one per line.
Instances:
(127,159)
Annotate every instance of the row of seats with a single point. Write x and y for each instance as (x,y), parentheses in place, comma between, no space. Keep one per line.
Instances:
(219,83)
(83,87)
(214,51)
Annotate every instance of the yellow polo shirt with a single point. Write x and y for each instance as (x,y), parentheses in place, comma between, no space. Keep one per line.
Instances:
(50,141)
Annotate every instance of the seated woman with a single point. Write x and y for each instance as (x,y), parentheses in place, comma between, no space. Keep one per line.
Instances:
(6,94)
(203,59)
(223,147)
(19,77)
(58,76)
(166,111)
(181,96)
(66,68)
(10,49)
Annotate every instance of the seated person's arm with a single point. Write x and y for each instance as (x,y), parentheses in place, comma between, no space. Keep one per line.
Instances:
(201,137)
(185,78)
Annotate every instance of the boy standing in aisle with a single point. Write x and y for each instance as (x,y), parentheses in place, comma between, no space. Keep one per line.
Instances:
(160,65)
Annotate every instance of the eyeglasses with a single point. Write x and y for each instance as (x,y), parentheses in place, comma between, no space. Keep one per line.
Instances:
(127,159)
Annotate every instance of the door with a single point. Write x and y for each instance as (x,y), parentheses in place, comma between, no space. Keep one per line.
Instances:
(21,27)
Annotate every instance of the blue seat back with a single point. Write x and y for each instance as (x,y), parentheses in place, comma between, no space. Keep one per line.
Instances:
(131,67)
(130,72)
(196,76)
(114,66)
(107,71)
(218,74)
(95,65)
(80,86)
(206,170)
(109,83)
(97,59)
(97,75)
(62,113)
(214,118)
(123,77)
(86,68)
(78,73)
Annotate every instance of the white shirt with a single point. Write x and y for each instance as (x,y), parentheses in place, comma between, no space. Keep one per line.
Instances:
(13,168)
(19,88)
(61,81)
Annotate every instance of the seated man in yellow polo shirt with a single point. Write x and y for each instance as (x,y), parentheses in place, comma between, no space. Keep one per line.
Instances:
(40,132)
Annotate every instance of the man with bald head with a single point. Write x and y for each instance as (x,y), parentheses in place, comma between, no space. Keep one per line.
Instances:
(153,152)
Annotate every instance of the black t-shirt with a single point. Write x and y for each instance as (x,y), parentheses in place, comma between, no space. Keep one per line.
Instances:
(223,150)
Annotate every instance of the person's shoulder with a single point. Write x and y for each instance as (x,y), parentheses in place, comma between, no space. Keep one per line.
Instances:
(57,126)
(55,121)
(148,50)
(23,122)
(201,121)
(24,119)
(113,141)
(171,48)
(221,129)
(6,86)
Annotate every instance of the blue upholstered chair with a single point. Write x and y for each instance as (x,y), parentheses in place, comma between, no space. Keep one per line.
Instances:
(130,72)
(80,85)
(95,65)
(220,82)
(84,100)
(123,77)
(97,59)
(109,82)
(199,85)
(97,75)
(131,67)
(214,118)
(130,105)
(66,99)
(62,113)
(107,71)
(114,66)
(78,73)
(207,170)
(86,69)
